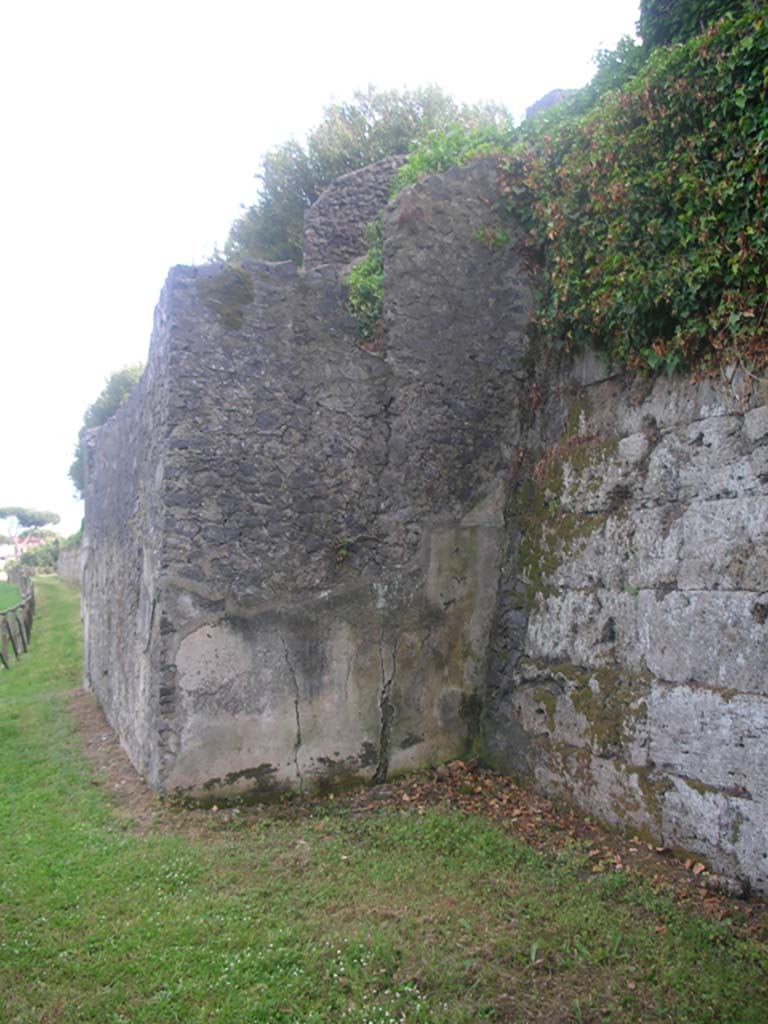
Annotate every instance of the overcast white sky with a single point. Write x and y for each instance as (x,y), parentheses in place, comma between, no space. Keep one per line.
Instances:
(131,133)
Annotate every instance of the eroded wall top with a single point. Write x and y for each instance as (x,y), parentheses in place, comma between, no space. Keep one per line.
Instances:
(334,226)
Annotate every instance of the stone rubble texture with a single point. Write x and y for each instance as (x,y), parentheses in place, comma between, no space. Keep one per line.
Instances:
(334,226)
(306,563)
(290,540)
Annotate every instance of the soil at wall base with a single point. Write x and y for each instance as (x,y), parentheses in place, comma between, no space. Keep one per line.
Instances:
(463,786)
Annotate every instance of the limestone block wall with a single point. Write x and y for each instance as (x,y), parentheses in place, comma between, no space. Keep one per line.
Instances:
(630,659)
(293,542)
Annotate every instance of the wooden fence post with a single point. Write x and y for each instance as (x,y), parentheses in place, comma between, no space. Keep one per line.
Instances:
(16,628)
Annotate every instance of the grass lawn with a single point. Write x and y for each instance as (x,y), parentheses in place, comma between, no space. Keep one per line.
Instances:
(326,916)
(9,595)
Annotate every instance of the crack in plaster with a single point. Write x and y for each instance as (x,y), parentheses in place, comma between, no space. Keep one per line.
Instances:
(387,413)
(151,624)
(387,710)
(296,702)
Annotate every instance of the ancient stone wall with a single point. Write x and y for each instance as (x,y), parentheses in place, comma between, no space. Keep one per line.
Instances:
(307,562)
(68,563)
(334,226)
(122,543)
(325,522)
(629,661)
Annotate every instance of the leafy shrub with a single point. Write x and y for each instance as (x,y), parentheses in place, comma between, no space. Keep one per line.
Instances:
(647,215)
(351,135)
(366,284)
(440,150)
(42,558)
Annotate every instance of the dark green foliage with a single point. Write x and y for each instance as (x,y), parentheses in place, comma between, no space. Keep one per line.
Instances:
(352,135)
(647,216)
(674,21)
(42,558)
(439,150)
(116,389)
(27,518)
(272,228)
(615,67)
(366,285)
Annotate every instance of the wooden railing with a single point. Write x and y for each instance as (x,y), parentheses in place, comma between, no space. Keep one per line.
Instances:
(16,628)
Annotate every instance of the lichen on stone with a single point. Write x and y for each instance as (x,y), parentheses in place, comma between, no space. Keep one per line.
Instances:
(226,293)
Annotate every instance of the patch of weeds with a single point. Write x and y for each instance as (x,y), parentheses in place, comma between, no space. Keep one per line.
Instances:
(366,285)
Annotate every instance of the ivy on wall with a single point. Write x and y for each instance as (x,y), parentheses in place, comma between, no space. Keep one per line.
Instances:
(648,215)
(673,21)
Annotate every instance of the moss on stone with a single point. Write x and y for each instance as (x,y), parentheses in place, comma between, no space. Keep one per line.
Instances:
(653,791)
(577,765)
(606,697)
(734,833)
(548,700)
(702,788)
(549,534)
(606,702)
(226,293)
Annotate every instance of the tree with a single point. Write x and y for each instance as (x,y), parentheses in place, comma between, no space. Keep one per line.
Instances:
(351,135)
(43,558)
(673,21)
(116,389)
(25,525)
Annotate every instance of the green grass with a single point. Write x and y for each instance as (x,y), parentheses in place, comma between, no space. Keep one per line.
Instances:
(321,918)
(9,595)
